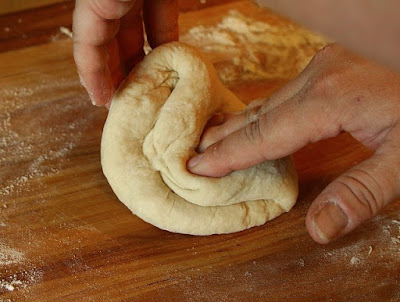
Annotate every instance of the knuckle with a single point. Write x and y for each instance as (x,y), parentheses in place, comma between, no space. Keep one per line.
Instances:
(110,9)
(327,51)
(253,133)
(325,124)
(325,83)
(252,114)
(366,190)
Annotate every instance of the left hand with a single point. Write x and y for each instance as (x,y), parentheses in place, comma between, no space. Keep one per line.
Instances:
(338,91)
(108,39)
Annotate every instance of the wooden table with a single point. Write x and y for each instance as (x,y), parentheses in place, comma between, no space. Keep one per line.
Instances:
(64,236)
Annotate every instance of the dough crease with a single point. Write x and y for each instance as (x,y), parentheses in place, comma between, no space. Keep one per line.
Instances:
(153,127)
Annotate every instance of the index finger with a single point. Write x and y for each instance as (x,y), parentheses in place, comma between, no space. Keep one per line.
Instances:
(275,134)
(95,24)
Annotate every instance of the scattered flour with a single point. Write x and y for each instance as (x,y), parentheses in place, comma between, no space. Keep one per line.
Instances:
(247,42)
(10,285)
(335,266)
(395,240)
(42,120)
(61,34)
(355,260)
(66,31)
(21,280)
(386,243)
(9,255)
(393,230)
(27,153)
(258,49)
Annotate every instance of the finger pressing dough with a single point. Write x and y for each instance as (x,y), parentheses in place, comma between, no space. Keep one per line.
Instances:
(153,127)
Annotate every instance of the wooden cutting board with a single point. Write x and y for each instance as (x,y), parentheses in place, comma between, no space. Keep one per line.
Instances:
(64,236)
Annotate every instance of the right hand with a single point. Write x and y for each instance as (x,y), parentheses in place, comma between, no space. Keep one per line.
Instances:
(338,91)
(108,39)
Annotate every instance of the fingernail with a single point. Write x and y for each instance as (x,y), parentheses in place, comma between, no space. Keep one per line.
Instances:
(194,161)
(81,79)
(330,221)
(91,97)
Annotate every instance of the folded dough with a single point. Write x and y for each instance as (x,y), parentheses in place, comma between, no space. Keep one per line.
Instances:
(153,127)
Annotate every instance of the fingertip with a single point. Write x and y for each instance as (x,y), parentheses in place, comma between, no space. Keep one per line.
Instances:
(99,85)
(208,164)
(90,93)
(100,90)
(313,230)
(326,221)
(194,161)
(102,96)
(199,165)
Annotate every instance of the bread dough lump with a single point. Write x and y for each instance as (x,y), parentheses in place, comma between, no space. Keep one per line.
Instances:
(153,127)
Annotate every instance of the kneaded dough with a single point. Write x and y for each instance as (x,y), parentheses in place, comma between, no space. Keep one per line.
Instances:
(153,127)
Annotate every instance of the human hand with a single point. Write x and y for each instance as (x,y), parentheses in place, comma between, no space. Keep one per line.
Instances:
(108,39)
(337,91)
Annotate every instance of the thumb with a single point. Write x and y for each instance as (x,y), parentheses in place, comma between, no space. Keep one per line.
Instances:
(274,134)
(354,197)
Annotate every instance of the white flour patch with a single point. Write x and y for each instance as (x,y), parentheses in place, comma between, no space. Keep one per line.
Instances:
(10,285)
(255,49)
(66,31)
(385,244)
(21,280)
(354,260)
(40,146)
(10,255)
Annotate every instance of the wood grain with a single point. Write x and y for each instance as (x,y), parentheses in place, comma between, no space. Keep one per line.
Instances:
(8,6)
(35,26)
(42,25)
(64,236)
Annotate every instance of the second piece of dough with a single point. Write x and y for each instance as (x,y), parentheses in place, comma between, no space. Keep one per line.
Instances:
(154,125)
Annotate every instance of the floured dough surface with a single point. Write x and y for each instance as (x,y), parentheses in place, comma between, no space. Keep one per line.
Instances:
(153,127)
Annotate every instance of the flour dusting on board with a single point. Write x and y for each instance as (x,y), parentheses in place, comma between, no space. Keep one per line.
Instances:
(10,285)
(40,126)
(21,280)
(9,255)
(25,154)
(252,49)
(383,232)
(308,267)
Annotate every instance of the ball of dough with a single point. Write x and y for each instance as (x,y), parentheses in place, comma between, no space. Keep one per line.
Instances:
(154,125)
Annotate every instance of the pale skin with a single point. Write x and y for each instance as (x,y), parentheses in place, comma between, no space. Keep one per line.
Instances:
(338,91)
(108,39)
